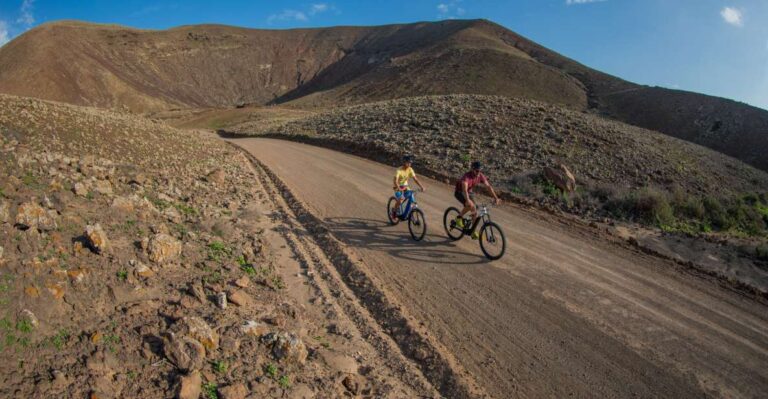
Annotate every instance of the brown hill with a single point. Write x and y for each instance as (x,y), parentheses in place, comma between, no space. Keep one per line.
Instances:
(220,66)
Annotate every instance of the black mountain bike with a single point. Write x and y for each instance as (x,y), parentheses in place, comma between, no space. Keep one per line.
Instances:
(492,241)
(409,210)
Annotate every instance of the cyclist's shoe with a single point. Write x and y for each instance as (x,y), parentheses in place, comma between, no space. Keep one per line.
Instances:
(475,235)
(460,222)
(393,215)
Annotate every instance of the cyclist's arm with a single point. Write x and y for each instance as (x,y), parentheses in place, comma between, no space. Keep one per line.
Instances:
(416,179)
(496,197)
(394,183)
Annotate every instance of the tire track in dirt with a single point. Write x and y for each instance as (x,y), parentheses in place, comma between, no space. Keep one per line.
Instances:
(434,363)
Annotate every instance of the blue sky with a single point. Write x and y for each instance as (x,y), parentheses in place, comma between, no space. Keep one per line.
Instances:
(717,47)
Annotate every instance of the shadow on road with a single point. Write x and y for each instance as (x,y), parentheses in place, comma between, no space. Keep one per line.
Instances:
(397,242)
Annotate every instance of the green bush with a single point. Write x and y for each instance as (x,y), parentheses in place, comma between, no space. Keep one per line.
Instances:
(716,214)
(652,207)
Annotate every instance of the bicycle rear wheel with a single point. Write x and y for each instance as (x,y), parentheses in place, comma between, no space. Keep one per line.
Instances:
(392,205)
(492,241)
(449,222)
(417,224)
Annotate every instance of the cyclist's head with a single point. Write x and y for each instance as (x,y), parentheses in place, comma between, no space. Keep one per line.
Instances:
(408,160)
(477,166)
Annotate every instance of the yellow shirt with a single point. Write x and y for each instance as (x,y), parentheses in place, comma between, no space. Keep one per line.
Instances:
(402,176)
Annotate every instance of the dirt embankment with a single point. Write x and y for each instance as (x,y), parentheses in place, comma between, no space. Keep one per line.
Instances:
(137,260)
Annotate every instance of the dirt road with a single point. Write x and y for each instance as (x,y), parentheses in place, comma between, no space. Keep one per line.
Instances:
(562,314)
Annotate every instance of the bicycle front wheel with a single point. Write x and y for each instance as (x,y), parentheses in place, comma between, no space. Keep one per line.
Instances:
(492,241)
(417,224)
(392,206)
(449,222)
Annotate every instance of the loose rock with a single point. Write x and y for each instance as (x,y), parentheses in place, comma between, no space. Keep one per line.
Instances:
(80,189)
(254,328)
(163,248)
(31,215)
(561,177)
(189,386)
(239,298)
(234,391)
(221,300)
(29,317)
(4,211)
(97,238)
(198,329)
(217,177)
(185,352)
(287,346)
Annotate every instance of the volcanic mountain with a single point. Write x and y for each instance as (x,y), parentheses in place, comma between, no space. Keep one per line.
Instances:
(221,66)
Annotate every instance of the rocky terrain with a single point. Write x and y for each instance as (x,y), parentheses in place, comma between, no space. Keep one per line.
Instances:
(137,260)
(224,67)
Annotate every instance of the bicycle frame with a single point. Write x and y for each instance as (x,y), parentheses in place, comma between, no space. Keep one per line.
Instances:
(408,204)
(482,216)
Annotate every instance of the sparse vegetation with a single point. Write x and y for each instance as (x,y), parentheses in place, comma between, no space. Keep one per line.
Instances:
(210,390)
(219,366)
(60,339)
(270,370)
(217,251)
(122,275)
(284,382)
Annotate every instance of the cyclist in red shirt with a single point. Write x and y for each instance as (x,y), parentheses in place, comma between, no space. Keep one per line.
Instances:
(464,194)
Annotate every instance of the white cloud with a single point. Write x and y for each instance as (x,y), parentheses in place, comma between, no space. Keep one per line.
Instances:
(300,15)
(732,16)
(450,9)
(572,2)
(5,37)
(26,17)
(288,15)
(318,8)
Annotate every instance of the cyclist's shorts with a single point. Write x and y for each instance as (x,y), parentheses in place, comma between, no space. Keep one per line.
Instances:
(459,195)
(408,194)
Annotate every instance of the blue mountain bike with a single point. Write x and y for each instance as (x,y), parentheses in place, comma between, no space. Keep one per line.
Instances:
(408,211)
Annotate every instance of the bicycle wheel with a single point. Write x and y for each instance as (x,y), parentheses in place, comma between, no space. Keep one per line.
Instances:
(449,222)
(492,241)
(392,204)
(417,224)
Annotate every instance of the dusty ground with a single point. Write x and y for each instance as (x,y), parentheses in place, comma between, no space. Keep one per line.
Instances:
(565,313)
(118,238)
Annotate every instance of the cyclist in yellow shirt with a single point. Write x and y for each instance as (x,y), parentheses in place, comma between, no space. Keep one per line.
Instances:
(402,175)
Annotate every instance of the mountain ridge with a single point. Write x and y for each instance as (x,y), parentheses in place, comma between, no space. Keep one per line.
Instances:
(219,66)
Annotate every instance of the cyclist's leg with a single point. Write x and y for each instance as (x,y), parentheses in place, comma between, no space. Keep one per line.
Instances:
(408,197)
(466,208)
(399,198)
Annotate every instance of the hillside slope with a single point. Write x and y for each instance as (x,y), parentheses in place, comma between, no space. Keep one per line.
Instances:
(220,66)
(515,137)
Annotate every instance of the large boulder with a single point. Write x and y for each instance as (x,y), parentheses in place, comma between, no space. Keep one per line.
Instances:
(97,238)
(30,215)
(561,177)
(163,248)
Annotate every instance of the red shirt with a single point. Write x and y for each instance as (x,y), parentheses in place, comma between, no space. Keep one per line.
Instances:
(471,181)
